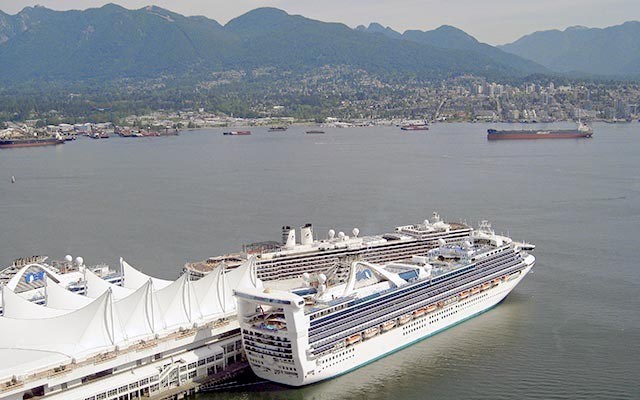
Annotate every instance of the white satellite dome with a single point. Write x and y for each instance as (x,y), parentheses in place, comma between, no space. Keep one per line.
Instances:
(355,232)
(322,278)
(68,258)
(79,261)
(331,233)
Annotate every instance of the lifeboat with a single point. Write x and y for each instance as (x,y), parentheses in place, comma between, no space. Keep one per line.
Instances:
(440,304)
(475,290)
(485,286)
(371,332)
(464,295)
(495,282)
(404,319)
(504,277)
(419,312)
(431,308)
(388,325)
(353,339)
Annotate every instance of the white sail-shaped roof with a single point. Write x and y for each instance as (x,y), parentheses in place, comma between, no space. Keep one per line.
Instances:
(16,306)
(242,276)
(135,314)
(81,332)
(133,278)
(96,286)
(206,293)
(173,305)
(61,298)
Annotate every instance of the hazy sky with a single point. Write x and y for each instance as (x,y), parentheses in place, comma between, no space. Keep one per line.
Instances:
(491,21)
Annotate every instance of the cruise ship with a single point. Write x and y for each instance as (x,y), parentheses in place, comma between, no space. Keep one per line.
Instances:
(290,259)
(330,325)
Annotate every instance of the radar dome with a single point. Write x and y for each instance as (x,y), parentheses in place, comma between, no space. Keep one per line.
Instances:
(341,235)
(305,276)
(332,233)
(322,278)
(79,261)
(68,258)
(355,232)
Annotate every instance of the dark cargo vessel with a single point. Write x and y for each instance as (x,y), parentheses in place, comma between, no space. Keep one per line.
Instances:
(30,142)
(583,131)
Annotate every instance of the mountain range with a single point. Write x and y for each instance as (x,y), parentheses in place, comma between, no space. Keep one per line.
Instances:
(609,51)
(113,42)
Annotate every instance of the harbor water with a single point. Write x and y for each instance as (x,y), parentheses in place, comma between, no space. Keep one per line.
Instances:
(571,330)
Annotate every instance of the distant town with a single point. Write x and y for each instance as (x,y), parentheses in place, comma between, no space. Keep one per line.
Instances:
(362,100)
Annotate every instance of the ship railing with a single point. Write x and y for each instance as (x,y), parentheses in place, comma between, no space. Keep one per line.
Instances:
(406,306)
(355,308)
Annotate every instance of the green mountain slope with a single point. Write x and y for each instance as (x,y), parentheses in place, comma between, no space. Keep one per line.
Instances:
(114,42)
(610,51)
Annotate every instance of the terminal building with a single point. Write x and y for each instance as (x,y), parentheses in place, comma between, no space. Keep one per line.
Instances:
(142,339)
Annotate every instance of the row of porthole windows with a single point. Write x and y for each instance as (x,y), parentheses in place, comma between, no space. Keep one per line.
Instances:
(337,356)
(337,361)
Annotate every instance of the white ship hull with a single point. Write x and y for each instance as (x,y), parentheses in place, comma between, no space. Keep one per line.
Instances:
(369,350)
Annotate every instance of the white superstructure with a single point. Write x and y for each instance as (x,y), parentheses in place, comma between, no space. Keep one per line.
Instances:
(139,339)
(290,259)
(334,325)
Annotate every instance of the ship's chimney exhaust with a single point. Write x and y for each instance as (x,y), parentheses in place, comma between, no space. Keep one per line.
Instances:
(306,234)
(288,237)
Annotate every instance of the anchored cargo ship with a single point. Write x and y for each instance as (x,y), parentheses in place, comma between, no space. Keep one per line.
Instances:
(583,131)
(415,127)
(289,259)
(237,133)
(332,324)
(31,142)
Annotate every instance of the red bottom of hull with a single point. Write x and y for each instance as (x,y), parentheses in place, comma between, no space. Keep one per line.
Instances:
(537,136)
(12,145)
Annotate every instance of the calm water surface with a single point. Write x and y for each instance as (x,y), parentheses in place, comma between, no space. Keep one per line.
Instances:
(570,330)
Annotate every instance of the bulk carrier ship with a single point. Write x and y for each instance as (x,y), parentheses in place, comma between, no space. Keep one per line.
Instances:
(31,141)
(331,325)
(583,131)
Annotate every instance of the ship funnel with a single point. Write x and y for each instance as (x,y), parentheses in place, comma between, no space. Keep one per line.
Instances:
(288,237)
(306,234)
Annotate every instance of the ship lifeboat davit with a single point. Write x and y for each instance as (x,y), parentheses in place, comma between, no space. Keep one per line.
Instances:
(485,286)
(464,295)
(431,308)
(371,332)
(404,319)
(353,339)
(388,325)
(419,312)
(495,282)
(475,290)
